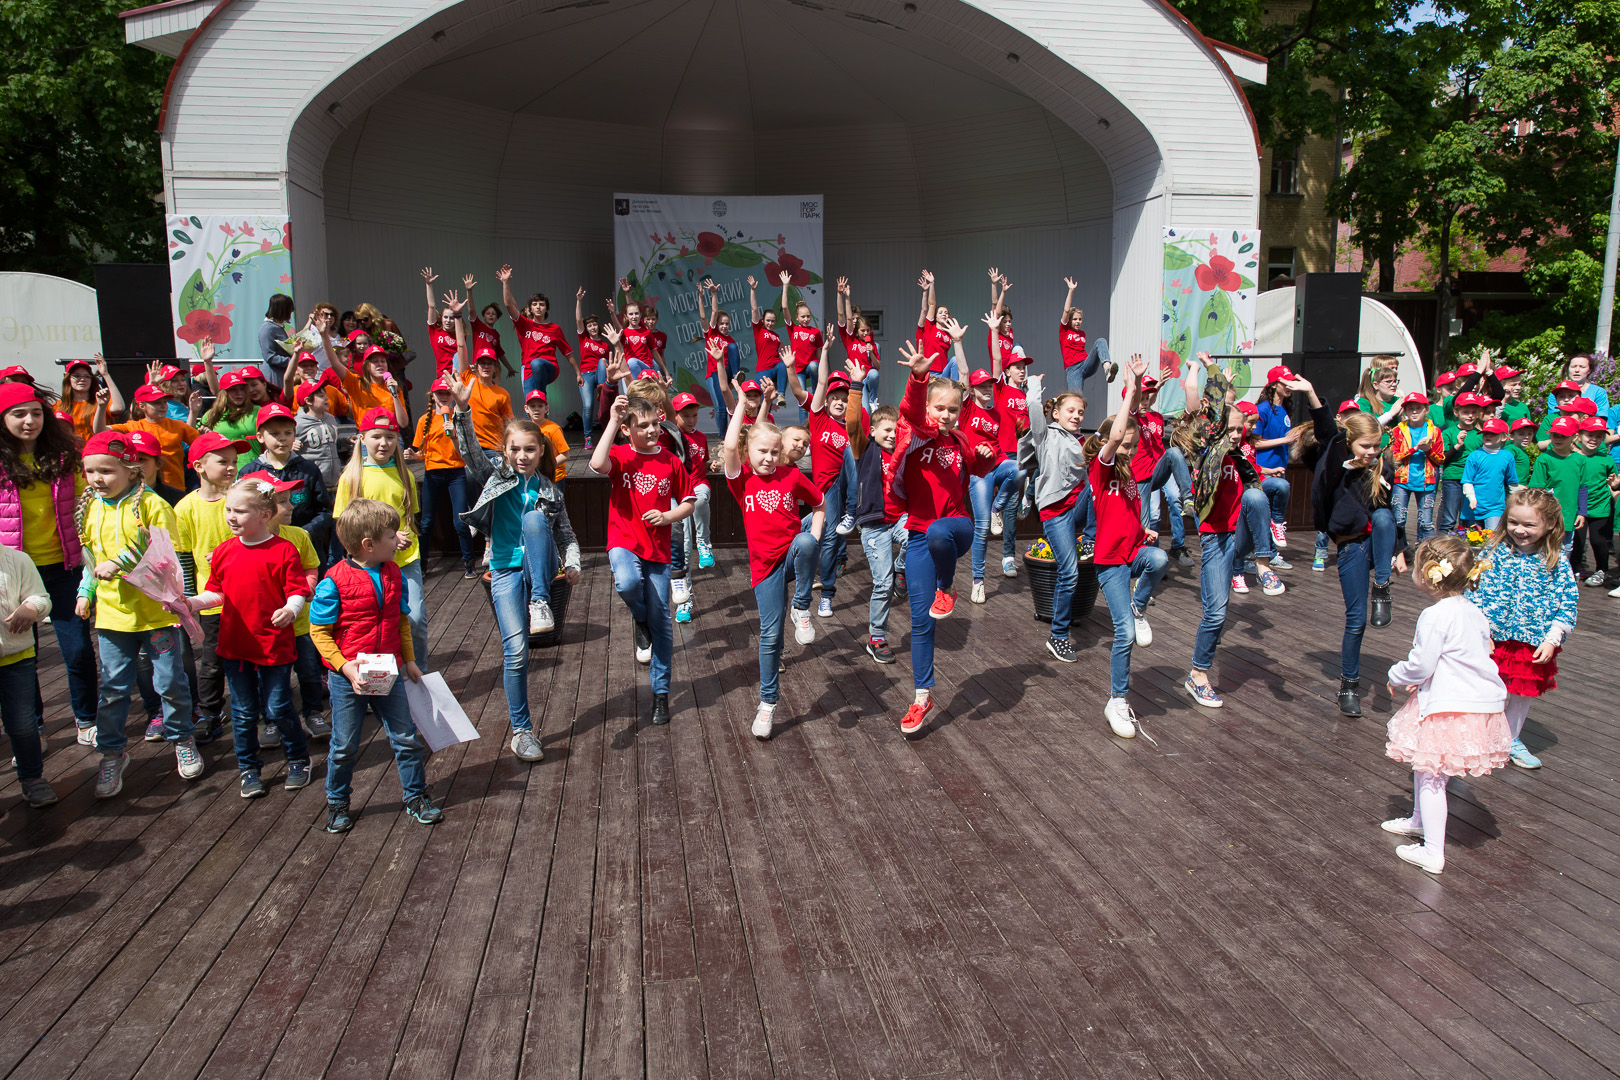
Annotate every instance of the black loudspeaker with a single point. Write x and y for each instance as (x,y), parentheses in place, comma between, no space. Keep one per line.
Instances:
(1327,313)
(133,302)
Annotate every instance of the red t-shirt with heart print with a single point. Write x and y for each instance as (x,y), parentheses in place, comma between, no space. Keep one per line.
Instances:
(935,483)
(828,437)
(770,510)
(640,482)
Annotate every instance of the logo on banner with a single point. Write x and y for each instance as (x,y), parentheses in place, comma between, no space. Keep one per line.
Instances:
(719,208)
(809,209)
(621,207)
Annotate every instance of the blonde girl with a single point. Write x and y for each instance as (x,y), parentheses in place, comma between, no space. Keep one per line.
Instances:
(378,471)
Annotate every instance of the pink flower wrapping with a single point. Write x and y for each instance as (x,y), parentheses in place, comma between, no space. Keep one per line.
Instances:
(158,575)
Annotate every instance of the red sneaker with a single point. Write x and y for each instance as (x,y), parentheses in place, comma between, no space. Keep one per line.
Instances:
(912,722)
(944,603)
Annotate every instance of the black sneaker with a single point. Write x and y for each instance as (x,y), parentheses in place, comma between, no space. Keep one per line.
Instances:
(879,650)
(338,818)
(660,712)
(422,810)
(208,729)
(469,570)
(1062,648)
(1183,559)
(317,726)
(1087,546)
(252,786)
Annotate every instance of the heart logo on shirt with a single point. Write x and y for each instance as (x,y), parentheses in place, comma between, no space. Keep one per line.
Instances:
(768,500)
(645,483)
(946,458)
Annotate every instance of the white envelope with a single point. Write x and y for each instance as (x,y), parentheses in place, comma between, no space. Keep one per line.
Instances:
(437,714)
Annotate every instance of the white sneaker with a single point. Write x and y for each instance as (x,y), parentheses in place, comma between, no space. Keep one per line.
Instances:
(540,618)
(1402,826)
(804,631)
(679,591)
(846,525)
(995,524)
(764,719)
(1009,566)
(1120,718)
(977,595)
(87,736)
(1279,533)
(824,608)
(1615,591)
(1420,855)
(1144,632)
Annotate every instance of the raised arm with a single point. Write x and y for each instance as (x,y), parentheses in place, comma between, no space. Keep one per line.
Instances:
(504,276)
(995,297)
(463,365)
(787,279)
(753,301)
(914,402)
(731,448)
(428,278)
(579,312)
(1133,386)
(205,353)
(99,421)
(1068,297)
(115,400)
(818,400)
(785,354)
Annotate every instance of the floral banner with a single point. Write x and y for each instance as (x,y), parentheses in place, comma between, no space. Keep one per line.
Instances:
(664,245)
(1209,301)
(222,272)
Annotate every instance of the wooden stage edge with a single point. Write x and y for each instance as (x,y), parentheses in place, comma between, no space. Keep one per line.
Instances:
(1016,893)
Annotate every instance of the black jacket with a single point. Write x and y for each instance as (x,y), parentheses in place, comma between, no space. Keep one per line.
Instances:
(1339,495)
(308,500)
(869,499)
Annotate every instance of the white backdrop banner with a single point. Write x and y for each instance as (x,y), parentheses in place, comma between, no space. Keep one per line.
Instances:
(664,245)
(222,272)
(44,319)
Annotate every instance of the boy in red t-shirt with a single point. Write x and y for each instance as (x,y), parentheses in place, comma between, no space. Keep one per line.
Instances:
(644,478)
(685,408)
(882,523)
(259,579)
(826,419)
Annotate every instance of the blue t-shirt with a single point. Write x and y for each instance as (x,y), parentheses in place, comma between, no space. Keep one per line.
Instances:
(1492,472)
(1613,420)
(1274,423)
(323,610)
(1592,392)
(506,529)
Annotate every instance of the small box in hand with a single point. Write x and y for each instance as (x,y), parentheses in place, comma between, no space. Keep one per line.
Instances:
(377,673)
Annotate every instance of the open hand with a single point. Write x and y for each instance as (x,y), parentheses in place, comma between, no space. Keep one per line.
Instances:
(428,275)
(504,274)
(916,359)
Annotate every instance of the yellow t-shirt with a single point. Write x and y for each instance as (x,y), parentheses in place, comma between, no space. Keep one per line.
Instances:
(7,661)
(109,531)
(381,482)
(200,528)
(41,542)
(308,560)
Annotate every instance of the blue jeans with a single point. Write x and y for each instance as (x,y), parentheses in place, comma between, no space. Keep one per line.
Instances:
(643,585)
(1399,495)
(542,373)
(119,651)
(1074,378)
(540,560)
(776,372)
(1151,506)
(1276,490)
(808,378)
(394,713)
(931,565)
(878,541)
(412,580)
(73,638)
(1060,534)
(722,415)
(441,487)
(799,566)
(1171,467)
(311,676)
(1222,552)
(1149,568)
(509,594)
(869,389)
(263,690)
(952,370)
(983,491)
(19,682)
(1451,504)
(832,545)
(1363,562)
(1254,517)
(587,397)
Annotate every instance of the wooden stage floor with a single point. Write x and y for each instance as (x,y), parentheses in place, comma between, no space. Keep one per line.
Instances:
(1016,894)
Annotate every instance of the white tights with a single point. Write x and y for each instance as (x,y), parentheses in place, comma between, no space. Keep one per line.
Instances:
(1517,711)
(1429,809)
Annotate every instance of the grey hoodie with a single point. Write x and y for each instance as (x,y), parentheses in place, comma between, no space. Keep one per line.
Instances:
(1059,454)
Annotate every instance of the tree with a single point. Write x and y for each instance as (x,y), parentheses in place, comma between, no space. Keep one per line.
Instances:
(80,175)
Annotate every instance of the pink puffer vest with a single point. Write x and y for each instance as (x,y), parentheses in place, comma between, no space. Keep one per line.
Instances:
(11,524)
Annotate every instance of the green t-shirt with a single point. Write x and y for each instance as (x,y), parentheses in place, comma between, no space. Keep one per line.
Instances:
(1595,472)
(1440,412)
(1514,410)
(1457,458)
(243,427)
(1560,474)
(1521,459)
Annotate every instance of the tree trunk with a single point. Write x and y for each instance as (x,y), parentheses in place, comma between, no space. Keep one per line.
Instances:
(1442,330)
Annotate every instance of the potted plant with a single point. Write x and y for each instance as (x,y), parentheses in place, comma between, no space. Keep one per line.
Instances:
(1042,571)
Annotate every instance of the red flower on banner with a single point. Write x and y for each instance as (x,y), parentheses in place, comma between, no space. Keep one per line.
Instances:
(1169,363)
(226,229)
(670,237)
(685,250)
(709,244)
(781,241)
(246,229)
(201,324)
(265,245)
(286,235)
(1219,274)
(789,264)
(655,238)
(697,390)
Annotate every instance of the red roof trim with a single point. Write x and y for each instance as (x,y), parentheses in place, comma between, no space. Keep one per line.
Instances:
(1240,52)
(153,7)
(1215,54)
(185,50)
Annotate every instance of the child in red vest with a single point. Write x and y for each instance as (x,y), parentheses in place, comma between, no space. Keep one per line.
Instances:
(360,608)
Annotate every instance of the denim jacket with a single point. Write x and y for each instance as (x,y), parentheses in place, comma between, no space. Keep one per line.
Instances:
(500,478)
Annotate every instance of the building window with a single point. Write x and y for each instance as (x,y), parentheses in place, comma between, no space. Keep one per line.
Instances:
(1279,265)
(1285,170)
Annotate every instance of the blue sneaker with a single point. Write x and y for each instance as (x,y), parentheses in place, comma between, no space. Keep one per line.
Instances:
(297,775)
(422,810)
(338,817)
(252,786)
(683,612)
(1280,563)
(705,556)
(1521,756)
(1204,695)
(1319,564)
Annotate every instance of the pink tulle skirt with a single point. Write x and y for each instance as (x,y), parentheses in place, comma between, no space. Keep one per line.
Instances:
(1448,743)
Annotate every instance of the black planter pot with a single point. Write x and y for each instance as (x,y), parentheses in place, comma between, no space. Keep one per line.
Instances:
(1043,582)
(561,593)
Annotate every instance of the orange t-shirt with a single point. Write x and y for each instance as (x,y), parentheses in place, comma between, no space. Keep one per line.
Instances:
(172,436)
(337,402)
(84,418)
(365,397)
(438,450)
(559,444)
(491,408)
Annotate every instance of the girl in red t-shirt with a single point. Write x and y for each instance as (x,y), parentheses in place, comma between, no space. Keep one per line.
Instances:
(859,345)
(769,362)
(594,353)
(770,492)
(1124,548)
(932,480)
(827,425)
(983,419)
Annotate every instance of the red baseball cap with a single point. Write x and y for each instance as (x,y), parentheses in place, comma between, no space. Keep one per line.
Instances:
(251,372)
(15,371)
(837,381)
(1581,405)
(1523,422)
(66,418)
(484,352)
(281,486)
(1592,423)
(441,383)
(1572,387)
(273,411)
(230,379)
(15,394)
(1493,426)
(1280,373)
(540,395)
(1467,369)
(1445,377)
(71,364)
(211,441)
(113,444)
(379,419)
(1248,408)
(1149,383)
(1470,398)
(167,372)
(148,392)
(307,357)
(375,350)
(1348,406)
(1416,397)
(198,370)
(1565,425)
(681,401)
(302,391)
(145,443)
(751,386)
(1504,373)
(1019,356)
(979,377)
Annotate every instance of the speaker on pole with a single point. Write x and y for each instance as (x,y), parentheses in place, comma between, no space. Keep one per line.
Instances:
(132,300)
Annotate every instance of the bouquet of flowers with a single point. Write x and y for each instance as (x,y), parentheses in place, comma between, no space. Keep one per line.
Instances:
(157,574)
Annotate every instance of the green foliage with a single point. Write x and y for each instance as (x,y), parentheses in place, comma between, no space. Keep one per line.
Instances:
(80,173)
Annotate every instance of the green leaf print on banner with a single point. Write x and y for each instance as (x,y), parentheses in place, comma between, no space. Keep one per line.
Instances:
(735,255)
(815,278)
(1244,283)
(1176,259)
(1242,377)
(1216,318)
(193,296)
(182,237)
